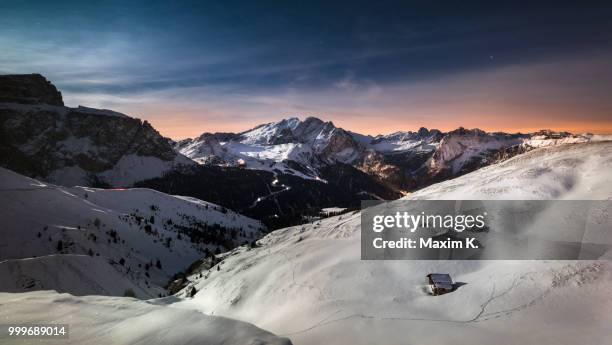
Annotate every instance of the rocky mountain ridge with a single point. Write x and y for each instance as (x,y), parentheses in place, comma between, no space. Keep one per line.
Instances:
(42,138)
(282,172)
(406,160)
(28,89)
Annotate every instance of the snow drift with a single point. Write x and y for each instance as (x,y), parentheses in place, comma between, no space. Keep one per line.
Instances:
(97,320)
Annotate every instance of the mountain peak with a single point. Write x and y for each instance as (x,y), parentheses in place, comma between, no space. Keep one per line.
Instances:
(464,131)
(290,120)
(313,119)
(28,89)
(423,132)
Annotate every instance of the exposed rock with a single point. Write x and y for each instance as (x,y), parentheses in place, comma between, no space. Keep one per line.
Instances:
(81,145)
(28,89)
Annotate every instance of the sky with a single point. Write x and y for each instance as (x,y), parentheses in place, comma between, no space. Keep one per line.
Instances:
(373,67)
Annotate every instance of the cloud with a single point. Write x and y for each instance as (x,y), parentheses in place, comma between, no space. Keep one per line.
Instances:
(184,93)
(569,94)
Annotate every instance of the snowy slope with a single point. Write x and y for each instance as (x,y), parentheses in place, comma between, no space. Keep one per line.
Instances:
(308,282)
(572,172)
(132,229)
(77,274)
(270,133)
(97,320)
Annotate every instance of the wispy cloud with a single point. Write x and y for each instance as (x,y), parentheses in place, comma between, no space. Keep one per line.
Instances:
(515,98)
(208,67)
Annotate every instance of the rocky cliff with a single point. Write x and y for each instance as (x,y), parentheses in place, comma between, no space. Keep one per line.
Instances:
(28,89)
(41,138)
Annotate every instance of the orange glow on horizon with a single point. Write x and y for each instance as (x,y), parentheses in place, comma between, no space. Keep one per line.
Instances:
(516,98)
(192,127)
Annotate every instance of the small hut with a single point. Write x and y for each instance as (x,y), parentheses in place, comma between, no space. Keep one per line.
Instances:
(440,283)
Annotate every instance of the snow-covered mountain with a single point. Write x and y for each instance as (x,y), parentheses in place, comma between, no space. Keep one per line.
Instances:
(289,146)
(94,320)
(99,241)
(338,168)
(308,283)
(277,172)
(464,150)
(42,138)
(407,160)
(573,172)
(305,282)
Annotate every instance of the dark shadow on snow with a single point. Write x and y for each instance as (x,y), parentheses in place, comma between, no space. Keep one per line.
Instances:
(457,285)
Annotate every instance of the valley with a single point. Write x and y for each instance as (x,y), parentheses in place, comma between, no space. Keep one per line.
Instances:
(130,236)
(324,165)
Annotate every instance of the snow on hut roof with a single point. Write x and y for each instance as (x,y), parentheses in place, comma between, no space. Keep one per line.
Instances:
(440,278)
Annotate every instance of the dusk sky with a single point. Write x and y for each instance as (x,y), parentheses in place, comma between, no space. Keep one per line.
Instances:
(371,67)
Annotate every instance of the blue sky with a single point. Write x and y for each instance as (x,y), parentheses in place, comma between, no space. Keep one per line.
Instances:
(190,67)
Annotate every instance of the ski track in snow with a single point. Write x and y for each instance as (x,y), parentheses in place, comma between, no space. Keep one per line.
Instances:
(480,316)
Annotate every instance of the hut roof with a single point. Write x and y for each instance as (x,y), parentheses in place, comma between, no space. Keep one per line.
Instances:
(440,278)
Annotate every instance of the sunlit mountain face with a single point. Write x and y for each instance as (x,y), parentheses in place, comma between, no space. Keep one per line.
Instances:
(371,68)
